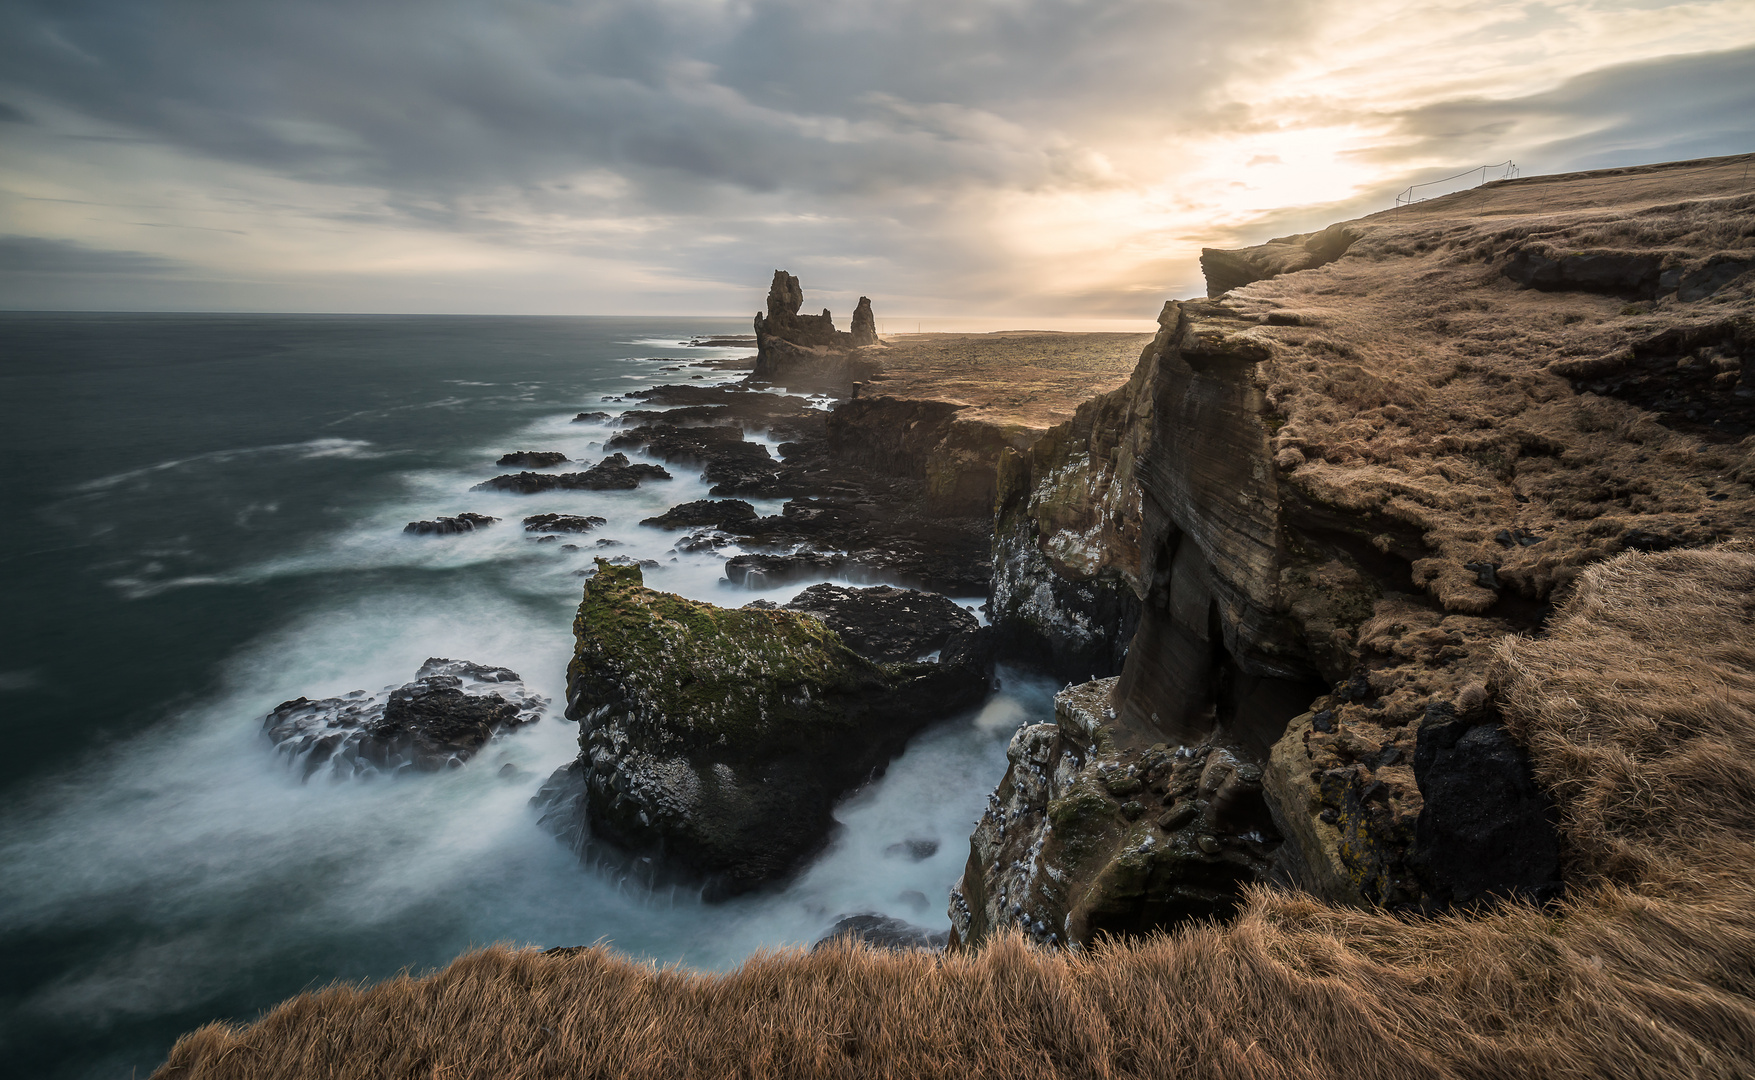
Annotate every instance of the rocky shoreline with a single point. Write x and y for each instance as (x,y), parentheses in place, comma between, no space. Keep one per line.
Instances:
(1272,566)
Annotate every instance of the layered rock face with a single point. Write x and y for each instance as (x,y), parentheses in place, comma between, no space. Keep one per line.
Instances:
(1325,496)
(806,351)
(715,741)
(1095,829)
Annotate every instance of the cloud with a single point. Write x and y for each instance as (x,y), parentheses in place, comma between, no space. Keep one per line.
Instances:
(1034,156)
(1662,109)
(34,255)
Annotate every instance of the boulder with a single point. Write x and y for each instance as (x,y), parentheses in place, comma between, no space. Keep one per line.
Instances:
(449,526)
(613,473)
(885,623)
(1485,829)
(715,742)
(437,721)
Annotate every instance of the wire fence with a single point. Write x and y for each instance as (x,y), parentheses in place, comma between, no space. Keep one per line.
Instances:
(1508,170)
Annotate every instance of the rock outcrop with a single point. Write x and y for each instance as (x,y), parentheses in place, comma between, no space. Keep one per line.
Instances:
(533,459)
(562,523)
(887,624)
(437,721)
(1094,829)
(1231,269)
(715,741)
(806,351)
(864,329)
(613,473)
(449,526)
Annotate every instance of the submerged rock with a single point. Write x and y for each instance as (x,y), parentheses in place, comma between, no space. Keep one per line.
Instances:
(613,473)
(533,459)
(437,721)
(449,526)
(562,523)
(716,741)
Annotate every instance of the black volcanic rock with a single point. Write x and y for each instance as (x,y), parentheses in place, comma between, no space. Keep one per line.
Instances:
(883,932)
(806,351)
(613,473)
(864,330)
(709,512)
(591,418)
(671,442)
(437,721)
(1485,829)
(731,463)
(561,523)
(449,526)
(533,459)
(884,623)
(768,571)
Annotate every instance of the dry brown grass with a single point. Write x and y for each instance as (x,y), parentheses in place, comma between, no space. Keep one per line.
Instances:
(1639,709)
(1417,382)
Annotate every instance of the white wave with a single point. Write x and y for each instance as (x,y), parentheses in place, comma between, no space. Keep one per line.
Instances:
(311,449)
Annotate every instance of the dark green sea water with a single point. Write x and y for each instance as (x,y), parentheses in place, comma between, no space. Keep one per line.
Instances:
(202,517)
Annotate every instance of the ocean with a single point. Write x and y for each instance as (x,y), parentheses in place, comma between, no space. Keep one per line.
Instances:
(202,517)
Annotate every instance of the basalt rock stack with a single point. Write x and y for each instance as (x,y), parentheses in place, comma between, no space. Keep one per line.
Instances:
(1302,528)
(806,352)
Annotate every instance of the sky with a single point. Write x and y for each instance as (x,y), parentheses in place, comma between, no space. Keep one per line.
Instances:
(1044,162)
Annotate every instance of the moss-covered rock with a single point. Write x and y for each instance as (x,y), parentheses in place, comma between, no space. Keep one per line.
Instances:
(715,741)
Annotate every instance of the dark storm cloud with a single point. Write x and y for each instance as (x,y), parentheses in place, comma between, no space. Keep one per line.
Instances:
(441,99)
(1671,108)
(32,256)
(11,114)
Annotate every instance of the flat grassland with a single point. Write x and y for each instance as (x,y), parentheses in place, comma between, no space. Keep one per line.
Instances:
(1015,378)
